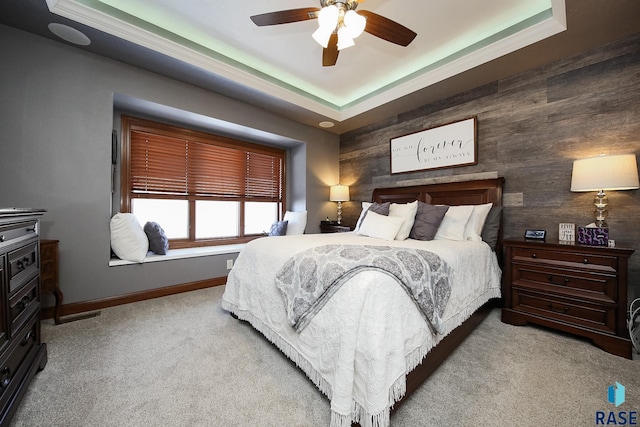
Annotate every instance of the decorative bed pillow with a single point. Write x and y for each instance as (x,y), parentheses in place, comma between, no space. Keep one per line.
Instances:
(363,213)
(492,227)
(380,226)
(428,219)
(454,223)
(297,222)
(158,242)
(379,208)
(474,226)
(279,228)
(128,240)
(406,211)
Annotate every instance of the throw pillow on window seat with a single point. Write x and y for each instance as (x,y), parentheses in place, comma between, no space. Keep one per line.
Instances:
(158,241)
(278,228)
(128,240)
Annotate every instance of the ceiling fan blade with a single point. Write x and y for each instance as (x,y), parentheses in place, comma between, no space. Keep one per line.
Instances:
(285,16)
(387,29)
(330,53)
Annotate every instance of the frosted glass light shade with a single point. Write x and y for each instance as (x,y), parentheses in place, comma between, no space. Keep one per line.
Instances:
(618,172)
(339,193)
(354,23)
(344,39)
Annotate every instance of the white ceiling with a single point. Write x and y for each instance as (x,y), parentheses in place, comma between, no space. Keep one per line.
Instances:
(284,62)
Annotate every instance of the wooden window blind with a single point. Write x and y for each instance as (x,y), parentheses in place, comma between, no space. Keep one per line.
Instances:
(163,161)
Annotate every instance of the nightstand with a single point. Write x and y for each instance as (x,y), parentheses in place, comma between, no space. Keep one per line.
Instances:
(571,288)
(333,227)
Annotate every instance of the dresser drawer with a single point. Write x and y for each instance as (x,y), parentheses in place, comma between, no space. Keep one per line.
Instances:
(23,304)
(16,361)
(17,231)
(577,313)
(573,259)
(601,288)
(22,265)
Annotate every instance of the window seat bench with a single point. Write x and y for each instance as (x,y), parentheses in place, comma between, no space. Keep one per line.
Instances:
(182,253)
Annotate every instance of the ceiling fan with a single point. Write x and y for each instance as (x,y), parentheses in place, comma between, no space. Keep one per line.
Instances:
(339,24)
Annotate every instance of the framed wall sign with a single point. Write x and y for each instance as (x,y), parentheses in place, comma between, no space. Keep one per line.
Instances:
(451,145)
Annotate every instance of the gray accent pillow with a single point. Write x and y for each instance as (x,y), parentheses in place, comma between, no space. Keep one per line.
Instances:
(158,241)
(492,227)
(428,219)
(279,228)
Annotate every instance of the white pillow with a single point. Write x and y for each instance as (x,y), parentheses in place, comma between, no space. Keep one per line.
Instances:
(365,207)
(380,226)
(454,223)
(473,229)
(406,211)
(297,222)
(128,239)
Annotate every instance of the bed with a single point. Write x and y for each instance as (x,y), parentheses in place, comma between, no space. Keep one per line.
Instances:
(370,344)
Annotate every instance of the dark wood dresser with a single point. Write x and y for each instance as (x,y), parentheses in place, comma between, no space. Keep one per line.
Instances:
(572,288)
(22,354)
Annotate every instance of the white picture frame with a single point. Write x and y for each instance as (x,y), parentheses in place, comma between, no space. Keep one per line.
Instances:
(451,145)
(566,232)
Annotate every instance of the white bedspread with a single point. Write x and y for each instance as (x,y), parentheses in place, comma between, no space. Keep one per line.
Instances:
(369,336)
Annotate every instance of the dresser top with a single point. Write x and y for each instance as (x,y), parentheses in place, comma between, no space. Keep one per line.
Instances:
(9,212)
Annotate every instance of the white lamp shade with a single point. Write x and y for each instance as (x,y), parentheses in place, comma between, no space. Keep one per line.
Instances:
(339,193)
(322,36)
(618,172)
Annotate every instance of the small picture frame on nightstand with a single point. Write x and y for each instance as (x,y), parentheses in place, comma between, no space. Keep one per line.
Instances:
(535,235)
(566,232)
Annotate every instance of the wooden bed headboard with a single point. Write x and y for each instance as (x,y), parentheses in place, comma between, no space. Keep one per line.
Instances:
(450,193)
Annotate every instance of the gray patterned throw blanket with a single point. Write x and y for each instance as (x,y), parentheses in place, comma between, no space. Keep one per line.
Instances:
(308,279)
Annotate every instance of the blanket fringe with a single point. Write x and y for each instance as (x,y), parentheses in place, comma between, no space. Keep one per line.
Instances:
(398,388)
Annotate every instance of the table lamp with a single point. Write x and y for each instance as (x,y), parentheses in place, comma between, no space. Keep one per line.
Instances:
(339,193)
(617,172)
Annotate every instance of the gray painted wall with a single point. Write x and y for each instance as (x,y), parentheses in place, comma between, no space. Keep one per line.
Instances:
(56,116)
(530,129)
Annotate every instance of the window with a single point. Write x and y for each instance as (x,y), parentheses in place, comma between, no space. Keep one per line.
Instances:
(202,189)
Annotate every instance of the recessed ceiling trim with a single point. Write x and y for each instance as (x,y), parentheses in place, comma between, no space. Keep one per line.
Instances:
(84,14)
(509,44)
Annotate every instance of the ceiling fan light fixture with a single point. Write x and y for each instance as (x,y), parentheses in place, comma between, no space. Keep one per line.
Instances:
(344,39)
(328,17)
(322,36)
(354,23)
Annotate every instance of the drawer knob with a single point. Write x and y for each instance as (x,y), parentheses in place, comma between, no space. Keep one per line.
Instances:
(27,338)
(24,302)
(533,255)
(5,377)
(585,261)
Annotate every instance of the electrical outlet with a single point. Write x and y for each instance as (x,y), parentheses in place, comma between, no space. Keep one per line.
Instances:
(229,264)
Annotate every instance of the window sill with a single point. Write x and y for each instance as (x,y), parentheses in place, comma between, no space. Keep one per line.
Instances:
(182,253)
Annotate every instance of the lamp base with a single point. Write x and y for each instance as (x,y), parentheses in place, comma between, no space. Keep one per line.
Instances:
(600,202)
(339,212)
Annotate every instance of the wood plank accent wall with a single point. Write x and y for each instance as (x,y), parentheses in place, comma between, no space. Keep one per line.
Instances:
(530,129)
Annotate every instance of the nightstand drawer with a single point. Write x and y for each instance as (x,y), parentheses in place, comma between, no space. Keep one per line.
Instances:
(582,314)
(601,288)
(570,258)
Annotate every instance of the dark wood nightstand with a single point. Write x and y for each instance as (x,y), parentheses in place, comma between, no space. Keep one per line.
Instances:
(333,227)
(571,288)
